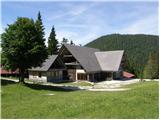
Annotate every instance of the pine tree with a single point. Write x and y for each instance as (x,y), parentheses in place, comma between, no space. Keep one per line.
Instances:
(71,42)
(40,27)
(52,43)
(64,41)
(151,68)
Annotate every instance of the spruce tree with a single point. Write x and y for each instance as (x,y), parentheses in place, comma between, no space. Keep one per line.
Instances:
(52,43)
(71,42)
(151,69)
(40,27)
(64,41)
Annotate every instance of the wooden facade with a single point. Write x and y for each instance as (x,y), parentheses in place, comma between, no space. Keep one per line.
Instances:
(67,67)
(72,74)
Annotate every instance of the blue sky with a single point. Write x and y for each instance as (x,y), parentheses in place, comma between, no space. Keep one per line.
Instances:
(83,22)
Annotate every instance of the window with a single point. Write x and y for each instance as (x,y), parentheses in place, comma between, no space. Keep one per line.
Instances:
(53,73)
(39,74)
(57,73)
(34,73)
(49,73)
(109,75)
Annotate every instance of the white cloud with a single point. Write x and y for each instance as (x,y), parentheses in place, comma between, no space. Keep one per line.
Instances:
(83,22)
(82,0)
(87,28)
(87,38)
(146,25)
(66,34)
(91,24)
(71,9)
(78,10)
(72,25)
(70,35)
(2,28)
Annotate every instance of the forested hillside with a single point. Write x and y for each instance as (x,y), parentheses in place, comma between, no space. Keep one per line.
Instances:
(137,49)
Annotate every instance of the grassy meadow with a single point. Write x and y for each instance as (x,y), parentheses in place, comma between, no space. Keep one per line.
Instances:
(33,101)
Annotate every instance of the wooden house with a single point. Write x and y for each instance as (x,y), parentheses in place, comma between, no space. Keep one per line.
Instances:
(80,63)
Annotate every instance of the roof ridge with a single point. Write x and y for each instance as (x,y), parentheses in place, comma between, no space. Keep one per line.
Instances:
(112,51)
(105,61)
(85,56)
(81,46)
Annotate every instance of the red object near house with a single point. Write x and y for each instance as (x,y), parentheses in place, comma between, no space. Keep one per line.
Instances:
(8,72)
(128,75)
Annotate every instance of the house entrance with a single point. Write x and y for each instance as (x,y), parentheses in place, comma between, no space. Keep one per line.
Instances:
(72,74)
(82,76)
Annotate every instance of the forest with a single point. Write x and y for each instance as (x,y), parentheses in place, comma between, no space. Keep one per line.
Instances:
(138,51)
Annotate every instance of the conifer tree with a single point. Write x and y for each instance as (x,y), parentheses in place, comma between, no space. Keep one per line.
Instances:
(151,68)
(64,41)
(71,42)
(52,43)
(40,27)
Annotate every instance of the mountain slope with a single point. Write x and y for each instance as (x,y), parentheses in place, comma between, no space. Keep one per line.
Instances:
(137,48)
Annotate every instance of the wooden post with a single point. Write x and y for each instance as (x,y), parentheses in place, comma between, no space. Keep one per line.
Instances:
(93,76)
(88,77)
(112,76)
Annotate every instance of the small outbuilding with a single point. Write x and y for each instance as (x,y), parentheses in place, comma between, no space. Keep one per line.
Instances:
(128,75)
(51,69)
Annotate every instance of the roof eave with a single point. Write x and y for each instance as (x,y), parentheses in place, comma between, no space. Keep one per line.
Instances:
(38,70)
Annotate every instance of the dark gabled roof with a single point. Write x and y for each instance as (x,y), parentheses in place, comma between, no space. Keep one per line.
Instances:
(92,60)
(109,60)
(85,56)
(46,65)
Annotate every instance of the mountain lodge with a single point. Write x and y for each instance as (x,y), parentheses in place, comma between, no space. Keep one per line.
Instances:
(74,63)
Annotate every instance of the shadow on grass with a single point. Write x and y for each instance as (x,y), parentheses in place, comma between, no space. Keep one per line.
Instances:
(126,79)
(6,82)
(42,87)
(51,88)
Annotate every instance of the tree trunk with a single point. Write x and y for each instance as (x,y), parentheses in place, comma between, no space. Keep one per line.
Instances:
(21,76)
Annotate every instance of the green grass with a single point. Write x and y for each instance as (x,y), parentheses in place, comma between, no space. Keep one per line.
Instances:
(80,83)
(31,101)
(10,77)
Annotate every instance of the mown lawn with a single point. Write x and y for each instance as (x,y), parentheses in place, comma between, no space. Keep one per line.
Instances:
(31,101)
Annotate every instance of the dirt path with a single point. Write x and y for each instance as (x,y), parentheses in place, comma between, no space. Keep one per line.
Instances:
(110,90)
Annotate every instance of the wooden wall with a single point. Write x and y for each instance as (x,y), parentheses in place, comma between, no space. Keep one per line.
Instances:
(72,74)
